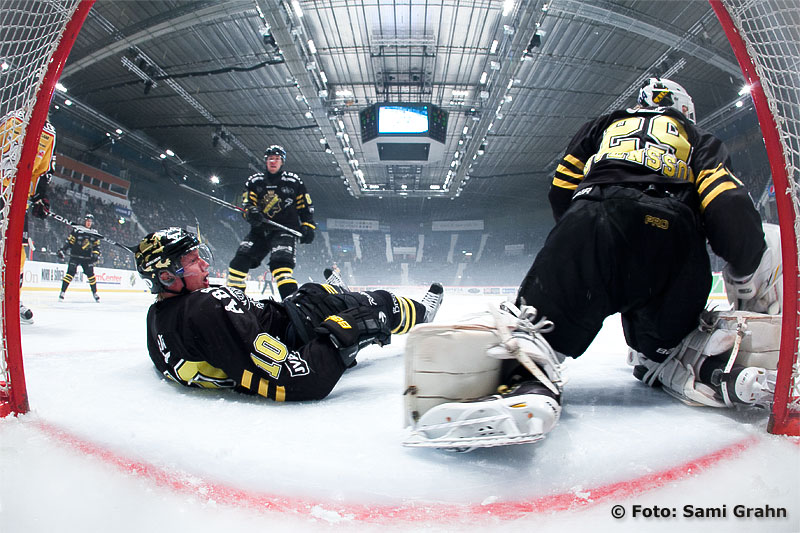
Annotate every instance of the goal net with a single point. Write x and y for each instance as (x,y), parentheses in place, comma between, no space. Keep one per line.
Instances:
(765,36)
(35,40)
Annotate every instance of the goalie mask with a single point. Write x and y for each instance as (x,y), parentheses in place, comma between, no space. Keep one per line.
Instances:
(658,92)
(162,251)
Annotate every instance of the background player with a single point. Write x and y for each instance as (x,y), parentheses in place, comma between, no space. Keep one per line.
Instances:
(84,250)
(281,197)
(636,196)
(10,140)
(216,337)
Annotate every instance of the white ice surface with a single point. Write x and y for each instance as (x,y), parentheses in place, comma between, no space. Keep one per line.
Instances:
(89,375)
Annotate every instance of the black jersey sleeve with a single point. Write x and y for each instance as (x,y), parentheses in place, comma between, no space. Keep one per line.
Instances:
(304,206)
(569,173)
(731,221)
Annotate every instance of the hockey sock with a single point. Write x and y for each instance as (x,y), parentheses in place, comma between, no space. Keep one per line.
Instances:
(65,281)
(237,278)
(284,279)
(406,313)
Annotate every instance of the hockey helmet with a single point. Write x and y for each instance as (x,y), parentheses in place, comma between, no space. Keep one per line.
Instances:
(659,92)
(162,251)
(275,149)
(88,217)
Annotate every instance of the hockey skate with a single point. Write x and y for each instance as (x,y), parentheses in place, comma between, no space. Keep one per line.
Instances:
(519,415)
(25,315)
(432,301)
(96,297)
(333,278)
(61,296)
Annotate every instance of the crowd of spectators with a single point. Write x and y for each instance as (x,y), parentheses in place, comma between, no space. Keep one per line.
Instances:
(470,258)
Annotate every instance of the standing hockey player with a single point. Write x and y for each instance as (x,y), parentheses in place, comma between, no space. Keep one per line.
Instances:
(38,202)
(84,250)
(636,196)
(281,197)
(216,337)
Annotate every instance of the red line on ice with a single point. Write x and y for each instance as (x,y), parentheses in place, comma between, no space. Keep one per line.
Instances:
(185,483)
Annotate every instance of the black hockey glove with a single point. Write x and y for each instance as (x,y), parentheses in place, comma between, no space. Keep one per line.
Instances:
(41,206)
(308,234)
(353,329)
(253,216)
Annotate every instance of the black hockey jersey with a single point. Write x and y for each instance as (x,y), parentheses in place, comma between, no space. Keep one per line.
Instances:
(282,198)
(660,146)
(220,338)
(83,244)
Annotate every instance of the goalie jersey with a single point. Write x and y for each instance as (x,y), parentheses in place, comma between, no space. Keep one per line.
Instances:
(660,147)
(220,338)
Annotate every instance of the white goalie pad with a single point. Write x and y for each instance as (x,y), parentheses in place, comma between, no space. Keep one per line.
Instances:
(448,363)
(762,291)
(742,338)
(452,373)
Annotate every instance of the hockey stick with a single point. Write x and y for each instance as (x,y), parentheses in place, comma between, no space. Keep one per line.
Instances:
(237,208)
(90,231)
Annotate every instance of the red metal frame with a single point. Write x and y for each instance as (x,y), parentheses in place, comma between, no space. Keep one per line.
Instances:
(18,394)
(782,421)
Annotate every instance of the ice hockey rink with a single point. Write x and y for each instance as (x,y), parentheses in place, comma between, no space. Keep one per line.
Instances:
(111,446)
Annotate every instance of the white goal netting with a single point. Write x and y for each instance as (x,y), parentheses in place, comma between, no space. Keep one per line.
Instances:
(30,43)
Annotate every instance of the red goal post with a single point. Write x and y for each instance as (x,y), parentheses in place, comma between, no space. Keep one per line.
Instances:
(765,37)
(35,41)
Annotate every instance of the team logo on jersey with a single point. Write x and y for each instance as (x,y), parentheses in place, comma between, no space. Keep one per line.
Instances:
(297,365)
(273,204)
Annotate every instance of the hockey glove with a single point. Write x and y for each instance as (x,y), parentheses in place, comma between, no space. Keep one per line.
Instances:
(354,328)
(253,216)
(308,234)
(41,206)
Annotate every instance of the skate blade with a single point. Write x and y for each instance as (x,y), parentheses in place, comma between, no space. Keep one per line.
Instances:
(467,444)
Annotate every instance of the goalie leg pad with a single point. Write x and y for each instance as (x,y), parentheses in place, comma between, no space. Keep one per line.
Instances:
(448,363)
(742,348)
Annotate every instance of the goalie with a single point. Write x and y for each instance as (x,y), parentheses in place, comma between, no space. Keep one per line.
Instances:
(636,197)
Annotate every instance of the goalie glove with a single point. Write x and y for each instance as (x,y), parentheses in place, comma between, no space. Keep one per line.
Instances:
(761,291)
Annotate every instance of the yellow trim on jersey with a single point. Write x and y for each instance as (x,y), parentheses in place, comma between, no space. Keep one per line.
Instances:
(567,172)
(564,184)
(263,387)
(280,394)
(310,225)
(716,191)
(577,163)
(247,379)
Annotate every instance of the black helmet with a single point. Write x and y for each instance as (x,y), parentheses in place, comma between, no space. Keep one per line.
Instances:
(162,251)
(275,149)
